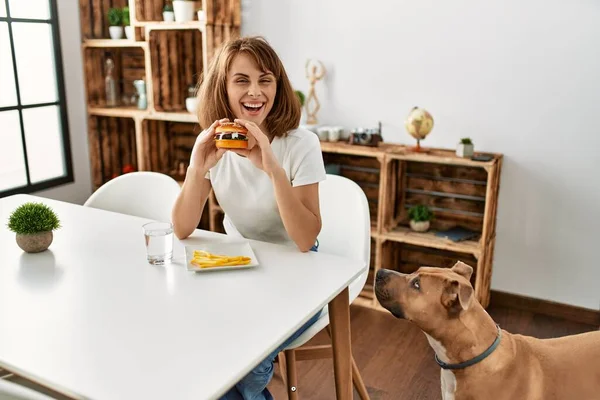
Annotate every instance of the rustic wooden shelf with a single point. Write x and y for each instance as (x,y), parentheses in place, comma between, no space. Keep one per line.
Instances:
(123,112)
(173,116)
(108,43)
(429,239)
(158,25)
(460,191)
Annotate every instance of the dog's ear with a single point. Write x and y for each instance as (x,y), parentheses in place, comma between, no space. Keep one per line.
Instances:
(463,270)
(457,296)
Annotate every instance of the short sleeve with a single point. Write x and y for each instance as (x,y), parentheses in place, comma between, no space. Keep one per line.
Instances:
(307,162)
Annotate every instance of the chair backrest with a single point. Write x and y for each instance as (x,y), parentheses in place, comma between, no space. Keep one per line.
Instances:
(13,391)
(346,224)
(143,194)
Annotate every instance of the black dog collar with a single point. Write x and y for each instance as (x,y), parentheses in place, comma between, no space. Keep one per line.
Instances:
(475,360)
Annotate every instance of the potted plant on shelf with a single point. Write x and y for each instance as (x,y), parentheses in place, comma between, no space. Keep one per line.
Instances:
(128,28)
(420,217)
(465,148)
(115,22)
(168,14)
(184,10)
(33,223)
(302,99)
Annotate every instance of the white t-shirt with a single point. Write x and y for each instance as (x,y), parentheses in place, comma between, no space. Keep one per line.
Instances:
(246,193)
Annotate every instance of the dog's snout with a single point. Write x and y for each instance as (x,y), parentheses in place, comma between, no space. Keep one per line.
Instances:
(382,274)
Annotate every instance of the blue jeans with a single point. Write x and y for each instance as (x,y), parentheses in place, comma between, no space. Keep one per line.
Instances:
(254,385)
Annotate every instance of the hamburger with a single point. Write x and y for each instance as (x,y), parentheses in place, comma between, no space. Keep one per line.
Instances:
(231,135)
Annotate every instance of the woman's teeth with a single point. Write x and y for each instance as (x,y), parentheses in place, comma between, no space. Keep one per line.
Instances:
(253,106)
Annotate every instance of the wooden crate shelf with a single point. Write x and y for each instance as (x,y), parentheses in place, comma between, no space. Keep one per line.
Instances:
(93,15)
(461,192)
(176,58)
(113,148)
(217,12)
(364,169)
(169,56)
(407,258)
(129,65)
(167,146)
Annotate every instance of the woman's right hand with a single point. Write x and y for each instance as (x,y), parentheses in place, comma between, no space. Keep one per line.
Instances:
(205,154)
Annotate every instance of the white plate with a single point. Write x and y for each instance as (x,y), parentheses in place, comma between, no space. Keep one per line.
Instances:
(231,249)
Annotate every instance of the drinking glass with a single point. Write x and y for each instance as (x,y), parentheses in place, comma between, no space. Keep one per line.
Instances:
(159,242)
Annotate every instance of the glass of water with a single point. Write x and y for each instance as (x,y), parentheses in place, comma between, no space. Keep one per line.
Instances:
(159,242)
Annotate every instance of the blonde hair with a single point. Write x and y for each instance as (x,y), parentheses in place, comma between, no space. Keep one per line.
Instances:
(212,93)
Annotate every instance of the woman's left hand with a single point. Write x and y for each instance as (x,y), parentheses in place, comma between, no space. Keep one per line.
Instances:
(259,151)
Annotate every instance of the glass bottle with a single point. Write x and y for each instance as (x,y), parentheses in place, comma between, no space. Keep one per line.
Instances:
(110,85)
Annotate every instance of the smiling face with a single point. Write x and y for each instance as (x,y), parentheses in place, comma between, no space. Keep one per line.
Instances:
(250,91)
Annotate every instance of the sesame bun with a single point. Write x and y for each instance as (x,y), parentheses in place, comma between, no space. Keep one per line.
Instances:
(230,127)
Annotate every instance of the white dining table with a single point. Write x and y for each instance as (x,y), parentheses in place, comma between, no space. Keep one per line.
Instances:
(90,318)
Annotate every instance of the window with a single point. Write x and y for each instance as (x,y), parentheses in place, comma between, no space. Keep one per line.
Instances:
(35,152)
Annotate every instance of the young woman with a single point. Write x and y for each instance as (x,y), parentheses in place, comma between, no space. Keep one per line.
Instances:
(268,191)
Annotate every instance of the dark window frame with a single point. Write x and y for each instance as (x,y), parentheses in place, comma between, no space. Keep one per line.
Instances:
(61,103)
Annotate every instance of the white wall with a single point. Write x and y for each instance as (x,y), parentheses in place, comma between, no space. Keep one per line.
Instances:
(70,37)
(520,77)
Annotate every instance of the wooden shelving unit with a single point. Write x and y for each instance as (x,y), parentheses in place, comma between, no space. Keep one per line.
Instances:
(169,56)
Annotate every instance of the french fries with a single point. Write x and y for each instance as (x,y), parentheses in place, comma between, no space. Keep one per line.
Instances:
(204,259)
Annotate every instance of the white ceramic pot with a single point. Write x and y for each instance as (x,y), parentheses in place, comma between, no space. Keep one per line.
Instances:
(184,10)
(323,133)
(421,226)
(465,150)
(201,16)
(116,32)
(191,104)
(335,133)
(129,32)
(168,16)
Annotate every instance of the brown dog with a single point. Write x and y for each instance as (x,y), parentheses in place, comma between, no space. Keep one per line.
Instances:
(478,359)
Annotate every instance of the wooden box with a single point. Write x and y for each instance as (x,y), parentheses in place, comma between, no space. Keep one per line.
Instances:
(112,147)
(176,57)
(168,146)
(129,65)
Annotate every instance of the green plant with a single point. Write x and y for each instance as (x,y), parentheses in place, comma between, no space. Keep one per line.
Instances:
(32,218)
(126,20)
(466,140)
(168,7)
(420,213)
(301,97)
(115,17)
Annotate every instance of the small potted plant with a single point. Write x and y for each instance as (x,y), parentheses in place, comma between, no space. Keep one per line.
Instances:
(115,22)
(420,217)
(184,10)
(168,14)
(302,99)
(465,148)
(127,23)
(33,223)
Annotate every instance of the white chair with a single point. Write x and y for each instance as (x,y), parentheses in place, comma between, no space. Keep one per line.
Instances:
(143,194)
(346,231)
(13,391)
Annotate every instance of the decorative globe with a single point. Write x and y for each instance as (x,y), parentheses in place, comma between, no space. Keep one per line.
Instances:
(418,124)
